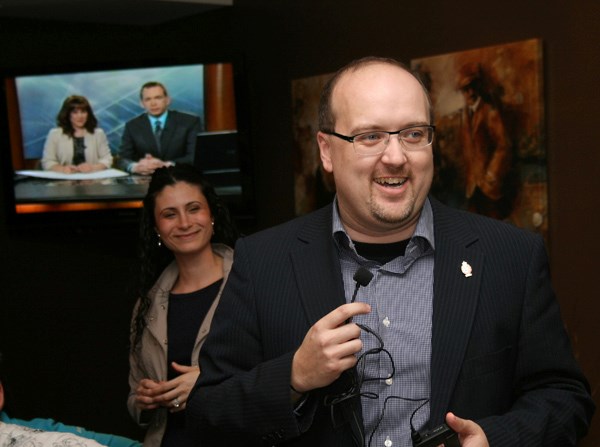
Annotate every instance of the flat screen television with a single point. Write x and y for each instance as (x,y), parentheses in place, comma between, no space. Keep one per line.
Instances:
(31,99)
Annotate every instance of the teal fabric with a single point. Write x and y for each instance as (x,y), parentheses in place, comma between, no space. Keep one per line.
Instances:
(52,425)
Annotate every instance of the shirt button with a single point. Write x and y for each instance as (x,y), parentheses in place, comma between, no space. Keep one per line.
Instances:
(389,381)
(386,322)
(388,442)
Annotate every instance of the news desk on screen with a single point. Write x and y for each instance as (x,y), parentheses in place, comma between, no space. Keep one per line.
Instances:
(38,191)
(45,190)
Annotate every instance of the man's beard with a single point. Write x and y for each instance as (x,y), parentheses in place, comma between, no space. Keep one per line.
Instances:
(396,215)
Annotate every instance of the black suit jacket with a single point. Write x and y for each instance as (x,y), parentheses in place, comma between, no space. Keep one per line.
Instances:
(499,356)
(177,142)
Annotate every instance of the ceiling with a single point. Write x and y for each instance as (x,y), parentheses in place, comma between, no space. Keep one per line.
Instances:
(121,12)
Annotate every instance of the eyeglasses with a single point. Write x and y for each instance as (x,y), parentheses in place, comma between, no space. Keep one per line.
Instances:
(413,138)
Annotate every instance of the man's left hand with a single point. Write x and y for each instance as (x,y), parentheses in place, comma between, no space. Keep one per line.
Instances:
(470,434)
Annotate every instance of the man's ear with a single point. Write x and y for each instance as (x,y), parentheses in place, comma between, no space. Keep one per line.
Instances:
(1,396)
(325,151)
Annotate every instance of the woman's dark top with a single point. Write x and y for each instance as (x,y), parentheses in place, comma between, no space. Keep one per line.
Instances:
(78,150)
(186,313)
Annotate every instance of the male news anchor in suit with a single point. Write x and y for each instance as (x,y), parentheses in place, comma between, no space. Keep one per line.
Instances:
(454,322)
(160,137)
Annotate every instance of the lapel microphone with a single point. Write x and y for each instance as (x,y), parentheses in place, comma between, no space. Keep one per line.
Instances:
(362,277)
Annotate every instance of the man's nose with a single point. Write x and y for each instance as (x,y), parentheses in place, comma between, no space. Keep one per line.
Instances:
(395,152)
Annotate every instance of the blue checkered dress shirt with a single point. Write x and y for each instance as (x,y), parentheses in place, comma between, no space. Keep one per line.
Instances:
(401,297)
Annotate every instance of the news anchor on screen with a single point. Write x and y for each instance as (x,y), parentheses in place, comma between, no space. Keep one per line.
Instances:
(159,137)
(77,144)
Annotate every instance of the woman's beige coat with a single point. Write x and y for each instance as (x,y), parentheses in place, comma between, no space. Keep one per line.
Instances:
(152,362)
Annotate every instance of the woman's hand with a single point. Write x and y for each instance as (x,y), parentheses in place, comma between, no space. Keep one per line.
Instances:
(88,167)
(172,394)
(180,387)
(145,394)
(67,169)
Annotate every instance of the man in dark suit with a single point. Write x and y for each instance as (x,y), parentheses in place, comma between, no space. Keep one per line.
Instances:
(160,137)
(386,313)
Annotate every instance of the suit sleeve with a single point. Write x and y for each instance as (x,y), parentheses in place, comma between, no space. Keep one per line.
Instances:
(241,388)
(552,406)
(50,154)
(127,150)
(193,127)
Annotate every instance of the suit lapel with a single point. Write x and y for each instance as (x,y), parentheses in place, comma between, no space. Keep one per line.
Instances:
(455,297)
(317,267)
(166,135)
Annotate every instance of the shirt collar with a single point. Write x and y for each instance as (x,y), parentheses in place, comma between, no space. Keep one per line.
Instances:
(424,228)
(162,119)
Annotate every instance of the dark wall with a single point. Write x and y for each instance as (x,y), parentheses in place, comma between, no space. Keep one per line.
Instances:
(65,304)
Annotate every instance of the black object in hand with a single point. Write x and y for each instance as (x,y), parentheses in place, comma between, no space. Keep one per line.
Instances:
(438,436)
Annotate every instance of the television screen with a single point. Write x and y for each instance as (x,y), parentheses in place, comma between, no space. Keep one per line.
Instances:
(208,91)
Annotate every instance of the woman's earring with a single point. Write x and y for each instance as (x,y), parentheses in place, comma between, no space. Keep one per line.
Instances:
(159,242)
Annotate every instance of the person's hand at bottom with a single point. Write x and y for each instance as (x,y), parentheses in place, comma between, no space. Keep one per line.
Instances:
(470,434)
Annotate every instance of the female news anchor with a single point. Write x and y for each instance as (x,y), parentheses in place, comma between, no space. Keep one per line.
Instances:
(76,145)
(186,234)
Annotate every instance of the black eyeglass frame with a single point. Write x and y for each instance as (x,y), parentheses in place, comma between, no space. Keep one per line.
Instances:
(350,139)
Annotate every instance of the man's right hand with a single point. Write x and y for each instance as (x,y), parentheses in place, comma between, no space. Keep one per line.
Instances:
(328,348)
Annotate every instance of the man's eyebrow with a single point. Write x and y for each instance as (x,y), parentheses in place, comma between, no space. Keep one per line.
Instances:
(377,128)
